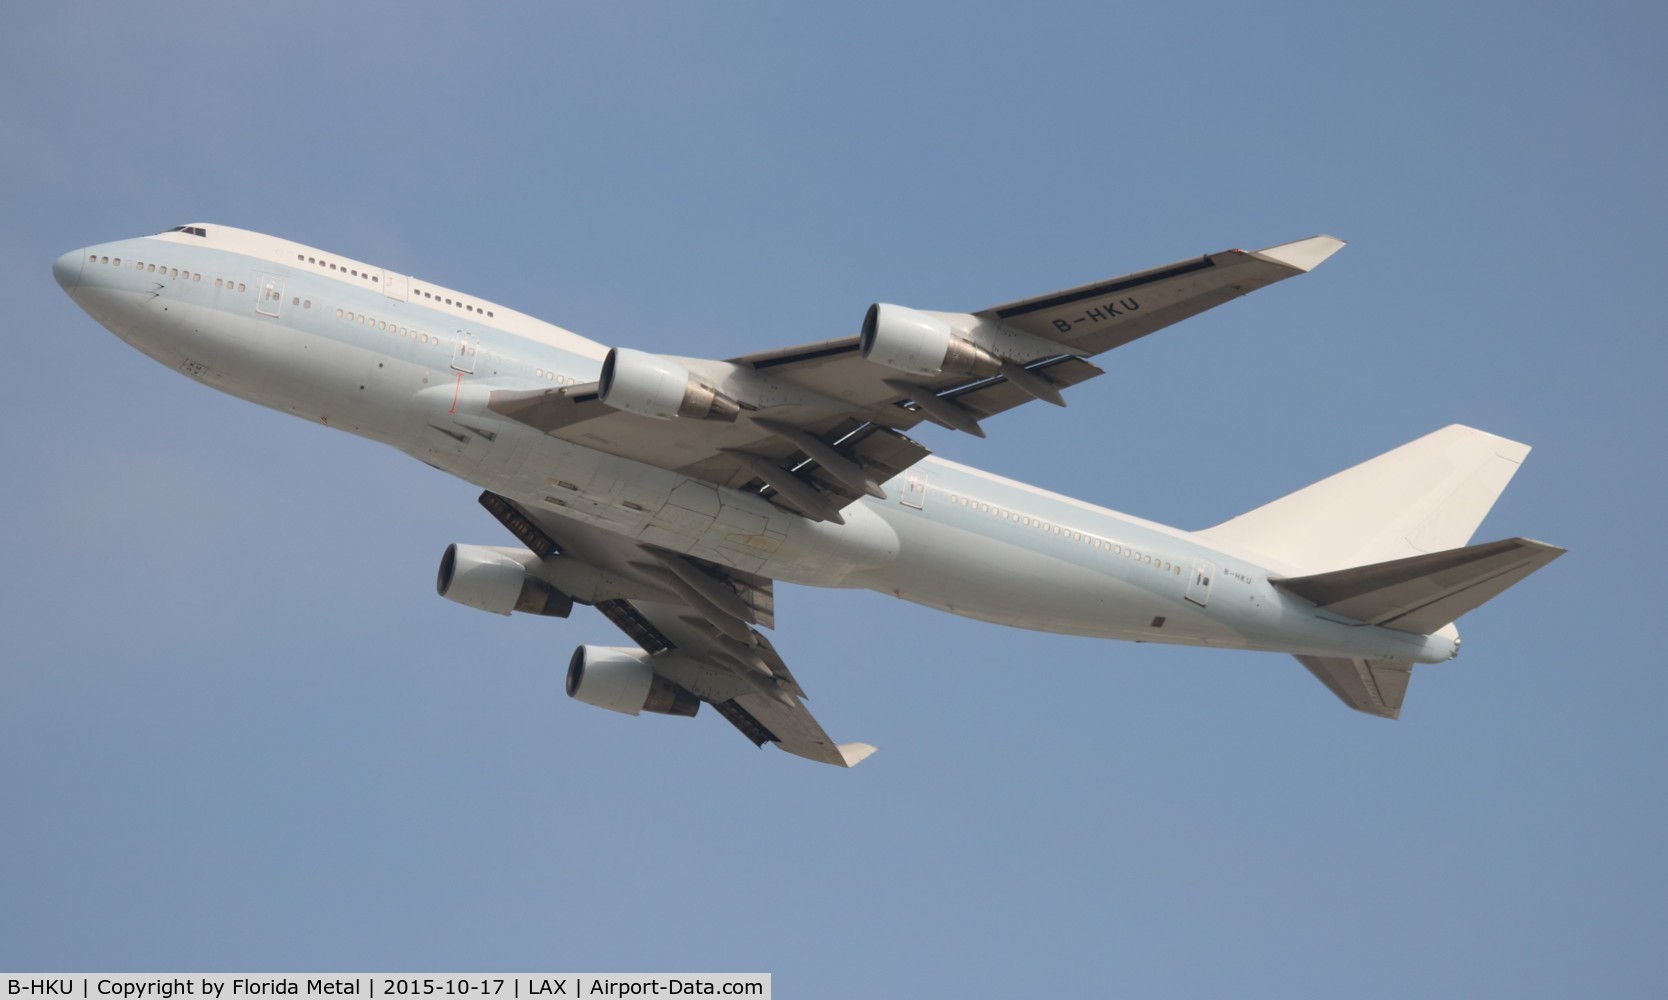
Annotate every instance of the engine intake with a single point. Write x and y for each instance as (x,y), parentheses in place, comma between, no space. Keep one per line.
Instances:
(659,387)
(619,679)
(479,577)
(921,344)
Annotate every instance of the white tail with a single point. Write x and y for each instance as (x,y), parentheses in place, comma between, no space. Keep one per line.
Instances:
(1426,496)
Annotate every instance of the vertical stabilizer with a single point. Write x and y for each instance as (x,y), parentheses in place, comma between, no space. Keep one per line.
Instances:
(1426,496)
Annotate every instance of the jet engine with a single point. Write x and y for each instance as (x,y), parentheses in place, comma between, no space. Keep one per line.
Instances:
(619,679)
(488,579)
(659,387)
(921,344)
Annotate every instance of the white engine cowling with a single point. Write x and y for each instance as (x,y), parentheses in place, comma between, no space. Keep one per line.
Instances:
(619,679)
(639,382)
(487,579)
(921,344)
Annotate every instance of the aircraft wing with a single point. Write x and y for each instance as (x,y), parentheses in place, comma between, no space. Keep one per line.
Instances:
(818,425)
(1082,321)
(811,458)
(694,619)
(766,708)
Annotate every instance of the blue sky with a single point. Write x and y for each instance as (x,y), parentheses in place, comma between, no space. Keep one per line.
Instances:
(239,731)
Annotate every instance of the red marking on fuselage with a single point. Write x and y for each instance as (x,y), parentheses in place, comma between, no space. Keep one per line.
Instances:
(455,390)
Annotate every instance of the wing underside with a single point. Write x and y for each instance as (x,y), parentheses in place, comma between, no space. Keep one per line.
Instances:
(696,637)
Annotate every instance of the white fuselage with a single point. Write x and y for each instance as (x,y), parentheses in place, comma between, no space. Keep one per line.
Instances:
(410,364)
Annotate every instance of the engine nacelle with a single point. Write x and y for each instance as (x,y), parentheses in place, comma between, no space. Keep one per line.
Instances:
(654,386)
(479,577)
(619,679)
(921,344)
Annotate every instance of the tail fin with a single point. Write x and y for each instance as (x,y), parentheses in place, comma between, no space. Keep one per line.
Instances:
(1385,543)
(1426,496)
(1419,594)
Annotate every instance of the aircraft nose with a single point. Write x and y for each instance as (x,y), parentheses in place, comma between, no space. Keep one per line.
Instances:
(67,269)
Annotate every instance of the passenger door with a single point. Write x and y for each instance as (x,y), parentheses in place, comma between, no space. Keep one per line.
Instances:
(463,356)
(269,295)
(1198,588)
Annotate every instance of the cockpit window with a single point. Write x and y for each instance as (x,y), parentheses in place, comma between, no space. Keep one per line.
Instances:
(190,231)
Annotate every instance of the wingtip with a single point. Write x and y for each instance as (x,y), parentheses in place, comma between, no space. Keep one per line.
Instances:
(1303,255)
(854,753)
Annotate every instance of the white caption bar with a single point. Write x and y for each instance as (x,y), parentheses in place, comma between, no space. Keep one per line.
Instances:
(392,985)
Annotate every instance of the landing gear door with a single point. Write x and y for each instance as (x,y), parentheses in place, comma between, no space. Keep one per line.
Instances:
(1198,588)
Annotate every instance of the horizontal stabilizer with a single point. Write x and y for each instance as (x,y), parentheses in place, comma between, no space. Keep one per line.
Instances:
(1372,686)
(1423,593)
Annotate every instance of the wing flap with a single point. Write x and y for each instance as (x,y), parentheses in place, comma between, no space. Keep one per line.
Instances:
(998,394)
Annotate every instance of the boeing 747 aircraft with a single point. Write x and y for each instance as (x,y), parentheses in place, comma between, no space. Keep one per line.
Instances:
(670,493)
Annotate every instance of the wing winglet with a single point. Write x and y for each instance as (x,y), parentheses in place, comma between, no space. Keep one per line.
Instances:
(854,753)
(1304,255)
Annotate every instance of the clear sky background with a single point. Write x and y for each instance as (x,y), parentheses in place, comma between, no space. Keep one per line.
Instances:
(239,731)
